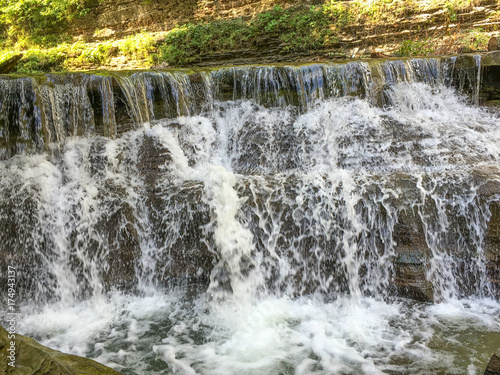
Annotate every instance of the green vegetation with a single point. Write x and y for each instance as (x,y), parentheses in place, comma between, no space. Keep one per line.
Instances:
(185,44)
(296,29)
(139,46)
(39,29)
(475,40)
(415,48)
(41,22)
(40,61)
(97,54)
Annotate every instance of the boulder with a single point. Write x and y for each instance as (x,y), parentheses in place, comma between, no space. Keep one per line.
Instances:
(493,367)
(33,358)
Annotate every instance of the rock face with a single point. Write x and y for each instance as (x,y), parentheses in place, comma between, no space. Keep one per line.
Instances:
(33,358)
(113,107)
(494,364)
(490,81)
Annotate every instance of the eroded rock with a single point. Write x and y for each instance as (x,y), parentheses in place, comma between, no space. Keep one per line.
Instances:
(493,367)
(33,358)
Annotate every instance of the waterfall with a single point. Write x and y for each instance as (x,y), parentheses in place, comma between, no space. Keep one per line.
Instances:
(258,219)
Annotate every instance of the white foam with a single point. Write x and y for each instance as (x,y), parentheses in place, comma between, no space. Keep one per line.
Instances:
(306,335)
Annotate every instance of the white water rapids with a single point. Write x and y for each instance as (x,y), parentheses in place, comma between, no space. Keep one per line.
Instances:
(265,241)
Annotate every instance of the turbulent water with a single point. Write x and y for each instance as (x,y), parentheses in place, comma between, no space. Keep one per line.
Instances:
(253,221)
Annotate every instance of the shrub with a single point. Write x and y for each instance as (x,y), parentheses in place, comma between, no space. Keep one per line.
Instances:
(475,40)
(138,46)
(38,18)
(415,48)
(296,29)
(42,61)
(96,54)
(184,45)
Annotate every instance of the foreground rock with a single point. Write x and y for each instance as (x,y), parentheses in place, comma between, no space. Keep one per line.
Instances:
(494,365)
(33,358)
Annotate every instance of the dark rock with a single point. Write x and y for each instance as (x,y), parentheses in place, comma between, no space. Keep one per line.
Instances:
(8,65)
(493,367)
(33,358)
(410,281)
(410,265)
(490,72)
(491,59)
(464,75)
(493,44)
(492,247)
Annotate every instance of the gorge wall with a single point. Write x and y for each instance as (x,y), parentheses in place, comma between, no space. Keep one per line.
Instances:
(442,30)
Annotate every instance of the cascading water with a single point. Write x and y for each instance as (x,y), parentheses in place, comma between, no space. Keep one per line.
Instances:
(256,220)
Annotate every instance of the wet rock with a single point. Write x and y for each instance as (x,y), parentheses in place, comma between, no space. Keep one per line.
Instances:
(410,265)
(492,247)
(33,358)
(464,76)
(493,367)
(410,280)
(491,59)
(490,82)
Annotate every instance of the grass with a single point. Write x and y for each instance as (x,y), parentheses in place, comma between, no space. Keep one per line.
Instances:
(77,56)
(411,47)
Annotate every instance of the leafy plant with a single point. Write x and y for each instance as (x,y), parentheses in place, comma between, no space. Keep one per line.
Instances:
(37,19)
(415,48)
(186,44)
(138,46)
(296,28)
(97,54)
(42,61)
(451,12)
(475,40)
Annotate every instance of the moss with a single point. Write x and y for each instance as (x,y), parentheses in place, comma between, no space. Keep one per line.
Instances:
(31,358)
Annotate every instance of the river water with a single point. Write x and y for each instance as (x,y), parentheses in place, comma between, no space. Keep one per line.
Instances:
(255,223)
